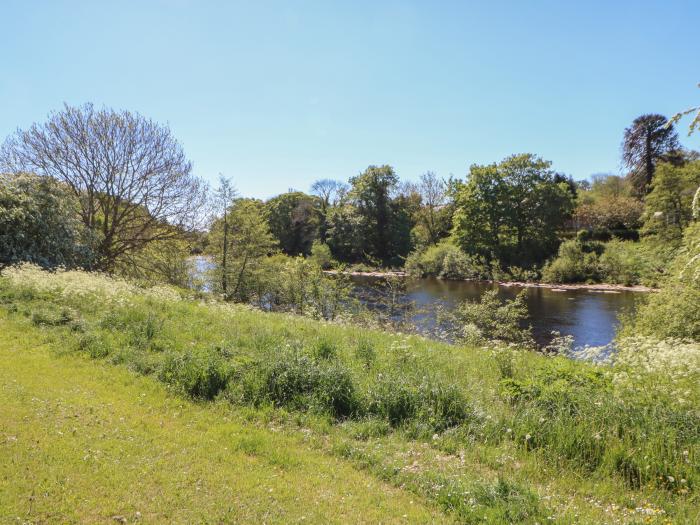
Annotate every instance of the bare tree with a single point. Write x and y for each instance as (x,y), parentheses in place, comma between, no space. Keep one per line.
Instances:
(130,175)
(330,192)
(433,192)
(649,139)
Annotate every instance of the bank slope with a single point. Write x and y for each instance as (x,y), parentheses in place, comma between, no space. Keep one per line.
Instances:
(91,443)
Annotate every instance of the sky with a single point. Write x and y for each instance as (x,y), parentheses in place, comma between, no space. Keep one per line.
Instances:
(276,95)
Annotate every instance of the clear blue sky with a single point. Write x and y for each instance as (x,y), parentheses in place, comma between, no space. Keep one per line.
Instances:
(278,94)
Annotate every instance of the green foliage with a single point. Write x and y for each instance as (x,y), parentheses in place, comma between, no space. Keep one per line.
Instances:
(200,375)
(615,262)
(674,311)
(294,220)
(432,212)
(608,208)
(39,224)
(248,241)
(590,415)
(344,233)
(370,223)
(296,380)
(490,319)
(668,207)
(321,255)
(445,261)
(299,285)
(164,261)
(365,353)
(510,212)
(417,413)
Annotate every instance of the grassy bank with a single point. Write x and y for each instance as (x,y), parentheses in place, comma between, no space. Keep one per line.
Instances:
(482,435)
(84,442)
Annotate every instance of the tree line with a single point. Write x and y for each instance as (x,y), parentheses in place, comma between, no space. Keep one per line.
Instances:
(113,191)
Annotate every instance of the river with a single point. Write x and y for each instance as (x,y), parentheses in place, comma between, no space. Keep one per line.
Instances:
(590,317)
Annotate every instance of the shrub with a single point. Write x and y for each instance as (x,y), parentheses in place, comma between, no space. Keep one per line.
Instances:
(674,311)
(393,399)
(430,403)
(321,255)
(199,375)
(444,261)
(94,345)
(617,262)
(325,349)
(296,380)
(491,319)
(365,353)
(52,316)
(575,262)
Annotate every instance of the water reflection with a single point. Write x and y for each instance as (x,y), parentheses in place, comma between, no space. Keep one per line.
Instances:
(590,317)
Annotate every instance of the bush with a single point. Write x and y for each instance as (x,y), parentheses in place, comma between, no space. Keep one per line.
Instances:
(52,316)
(321,255)
(444,261)
(296,380)
(393,399)
(39,224)
(199,375)
(365,353)
(430,403)
(674,311)
(491,319)
(576,262)
(615,262)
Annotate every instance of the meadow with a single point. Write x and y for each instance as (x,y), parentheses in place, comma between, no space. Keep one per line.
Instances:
(217,397)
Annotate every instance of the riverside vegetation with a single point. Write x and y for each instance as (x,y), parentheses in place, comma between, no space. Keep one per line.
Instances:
(482,434)
(266,358)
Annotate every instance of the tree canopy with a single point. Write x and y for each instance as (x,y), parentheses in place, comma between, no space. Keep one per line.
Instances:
(39,223)
(649,140)
(128,174)
(510,212)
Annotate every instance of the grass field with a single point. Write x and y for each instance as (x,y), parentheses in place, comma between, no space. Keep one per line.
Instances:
(87,442)
(118,400)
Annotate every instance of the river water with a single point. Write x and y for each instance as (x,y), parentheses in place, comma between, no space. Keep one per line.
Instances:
(590,317)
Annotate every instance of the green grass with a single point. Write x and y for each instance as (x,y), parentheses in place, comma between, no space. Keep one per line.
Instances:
(479,436)
(85,442)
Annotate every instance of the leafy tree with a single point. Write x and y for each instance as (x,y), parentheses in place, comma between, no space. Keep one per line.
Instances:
(294,220)
(668,207)
(321,255)
(249,243)
(344,234)
(331,193)
(479,217)
(166,261)
(608,207)
(371,222)
(39,223)
(128,174)
(512,211)
(647,141)
(371,195)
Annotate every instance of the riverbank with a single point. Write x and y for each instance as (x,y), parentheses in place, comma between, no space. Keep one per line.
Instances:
(473,434)
(595,287)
